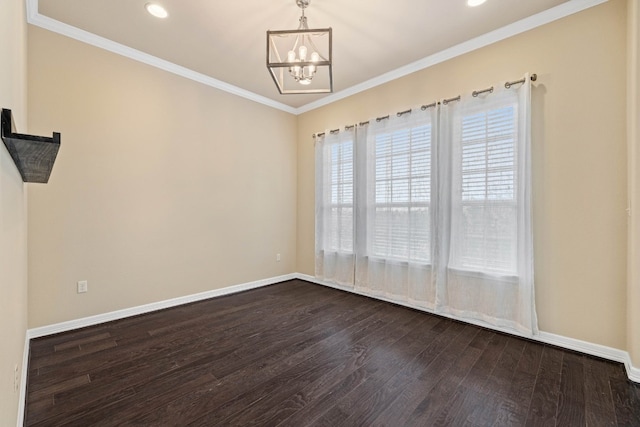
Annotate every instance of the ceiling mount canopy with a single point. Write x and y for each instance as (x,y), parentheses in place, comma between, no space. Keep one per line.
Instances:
(300,60)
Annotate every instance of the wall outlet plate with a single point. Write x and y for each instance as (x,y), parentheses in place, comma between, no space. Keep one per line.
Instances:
(16,379)
(83,286)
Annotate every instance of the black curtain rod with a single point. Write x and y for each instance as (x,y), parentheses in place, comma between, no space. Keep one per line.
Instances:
(475,93)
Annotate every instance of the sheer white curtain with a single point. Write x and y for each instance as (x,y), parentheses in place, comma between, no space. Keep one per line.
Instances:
(394,251)
(485,244)
(433,208)
(334,235)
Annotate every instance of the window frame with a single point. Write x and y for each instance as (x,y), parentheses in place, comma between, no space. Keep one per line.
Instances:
(407,126)
(511,203)
(328,204)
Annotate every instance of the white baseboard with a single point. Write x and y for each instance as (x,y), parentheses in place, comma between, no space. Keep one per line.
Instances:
(121,314)
(569,343)
(23,381)
(147,308)
(632,372)
(409,305)
(598,350)
(584,347)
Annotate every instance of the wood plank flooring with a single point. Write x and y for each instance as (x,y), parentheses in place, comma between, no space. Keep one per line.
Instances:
(299,354)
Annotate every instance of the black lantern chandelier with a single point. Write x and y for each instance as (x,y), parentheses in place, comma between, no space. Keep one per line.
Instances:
(300,60)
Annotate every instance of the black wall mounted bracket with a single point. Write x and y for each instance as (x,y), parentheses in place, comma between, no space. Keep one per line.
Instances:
(33,155)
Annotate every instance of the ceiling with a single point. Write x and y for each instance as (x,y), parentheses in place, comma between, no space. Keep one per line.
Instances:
(224,43)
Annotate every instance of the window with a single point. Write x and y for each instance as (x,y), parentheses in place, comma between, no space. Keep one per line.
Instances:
(400,218)
(335,167)
(487,234)
(339,231)
(335,193)
(431,207)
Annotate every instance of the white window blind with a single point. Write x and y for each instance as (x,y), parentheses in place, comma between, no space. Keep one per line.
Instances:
(339,229)
(487,237)
(488,155)
(400,220)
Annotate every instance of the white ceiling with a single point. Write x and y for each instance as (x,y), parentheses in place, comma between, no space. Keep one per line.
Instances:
(223,43)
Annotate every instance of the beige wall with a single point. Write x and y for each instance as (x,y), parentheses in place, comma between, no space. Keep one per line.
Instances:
(579,159)
(633,137)
(13,215)
(162,188)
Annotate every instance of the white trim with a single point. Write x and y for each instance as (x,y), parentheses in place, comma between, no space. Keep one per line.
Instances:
(584,347)
(534,21)
(569,343)
(475,322)
(598,350)
(35,18)
(22,398)
(147,308)
(121,314)
(632,372)
(526,24)
(593,349)
(545,337)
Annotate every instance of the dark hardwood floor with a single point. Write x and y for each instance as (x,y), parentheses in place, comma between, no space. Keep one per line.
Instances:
(299,354)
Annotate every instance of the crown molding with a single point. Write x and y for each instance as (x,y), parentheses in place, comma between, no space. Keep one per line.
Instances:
(35,18)
(534,21)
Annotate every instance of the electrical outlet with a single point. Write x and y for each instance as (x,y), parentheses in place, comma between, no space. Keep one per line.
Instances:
(278,257)
(16,379)
(83,286)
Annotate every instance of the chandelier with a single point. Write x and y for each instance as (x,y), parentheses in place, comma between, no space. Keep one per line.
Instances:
(300,60)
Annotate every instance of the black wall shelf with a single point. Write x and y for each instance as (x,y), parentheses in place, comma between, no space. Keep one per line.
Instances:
(33,155)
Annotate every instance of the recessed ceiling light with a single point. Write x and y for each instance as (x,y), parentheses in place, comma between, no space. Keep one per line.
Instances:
(156,10)
(474,3)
